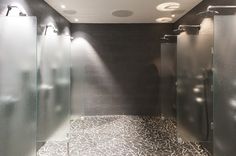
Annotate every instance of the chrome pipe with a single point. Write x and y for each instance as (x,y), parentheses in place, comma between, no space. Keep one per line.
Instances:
(209,8)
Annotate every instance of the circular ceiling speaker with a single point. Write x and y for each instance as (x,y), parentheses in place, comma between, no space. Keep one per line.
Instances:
(69,12)
(122,13)
(169,6)
(164,20)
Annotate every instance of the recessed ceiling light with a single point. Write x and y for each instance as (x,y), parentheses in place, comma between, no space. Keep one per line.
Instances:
(76,19)
(169,6)
(63,6)
(164,20)
(173,15)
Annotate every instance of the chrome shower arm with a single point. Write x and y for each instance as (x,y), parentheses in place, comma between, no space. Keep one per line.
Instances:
(165,36)
(10,7)
(55,30)
(209,8)
(182,27)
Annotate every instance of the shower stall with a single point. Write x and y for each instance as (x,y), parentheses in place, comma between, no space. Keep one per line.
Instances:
(18,86)
(206,82)
(34,84)
(53,85)
(224,85)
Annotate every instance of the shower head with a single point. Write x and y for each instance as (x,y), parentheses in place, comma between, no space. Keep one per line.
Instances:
(10,7)
(183,28)
(211,9)
(208,13)
(178,31)
(55,30)
(166,37)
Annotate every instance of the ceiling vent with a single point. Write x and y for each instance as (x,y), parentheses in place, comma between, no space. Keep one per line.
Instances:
(122,13)
(69,12)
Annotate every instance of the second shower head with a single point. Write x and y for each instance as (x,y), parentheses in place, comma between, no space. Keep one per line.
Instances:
(10,7)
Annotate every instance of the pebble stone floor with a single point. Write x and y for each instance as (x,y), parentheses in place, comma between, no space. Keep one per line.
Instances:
(122,136)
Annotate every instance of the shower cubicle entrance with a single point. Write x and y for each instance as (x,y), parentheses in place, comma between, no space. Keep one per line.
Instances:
(18,87)
(224,85)
(206,98)
(34,85)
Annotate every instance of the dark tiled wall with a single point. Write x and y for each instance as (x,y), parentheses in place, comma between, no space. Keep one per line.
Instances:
(44,13)
(116,68)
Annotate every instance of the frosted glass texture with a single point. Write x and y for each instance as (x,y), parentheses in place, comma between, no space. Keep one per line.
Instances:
(224,85)
(168,79)
(54,87)
(194,94)
(18,86)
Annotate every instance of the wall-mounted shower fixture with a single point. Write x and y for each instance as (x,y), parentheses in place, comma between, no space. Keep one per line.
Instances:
(211,9)
(208,13)
(55,30)
(166,37)
(10,7)
(183,28)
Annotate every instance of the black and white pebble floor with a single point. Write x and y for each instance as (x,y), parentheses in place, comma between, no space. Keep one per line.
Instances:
(122,136)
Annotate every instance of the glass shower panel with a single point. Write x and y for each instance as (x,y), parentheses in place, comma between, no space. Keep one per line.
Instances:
(54,84)
(224,85)
(194,81)
(168,79)
(18,90)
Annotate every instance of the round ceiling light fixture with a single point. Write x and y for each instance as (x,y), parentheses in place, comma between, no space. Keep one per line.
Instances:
(122,13)
(76,20)
(63,6)
(164,20)
(69,12)
(169,6)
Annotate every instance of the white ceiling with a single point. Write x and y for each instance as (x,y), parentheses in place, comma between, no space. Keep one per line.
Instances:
(100,11)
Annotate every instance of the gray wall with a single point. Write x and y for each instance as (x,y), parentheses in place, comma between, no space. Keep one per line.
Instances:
(44,13)
(116,68)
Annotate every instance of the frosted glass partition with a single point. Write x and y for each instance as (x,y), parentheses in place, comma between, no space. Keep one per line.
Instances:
(18,86)
(194,79)
(54,86)
(168,79)
(224,85)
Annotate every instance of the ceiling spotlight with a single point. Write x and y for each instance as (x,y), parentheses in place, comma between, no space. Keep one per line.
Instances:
(76,19)
(164,20)
(169,6)
(173,15)
(63,6)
